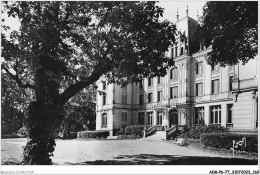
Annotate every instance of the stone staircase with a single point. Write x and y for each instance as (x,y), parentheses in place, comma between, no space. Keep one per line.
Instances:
(157,136)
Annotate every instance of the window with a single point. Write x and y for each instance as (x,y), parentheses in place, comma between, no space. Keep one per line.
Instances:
(199,67)
(150,98)
(172,50)
(104,120)
(124,99)
(159,80)
(199,89)
(215,86)
(159,97)
(174,92)
(141,85)
(176,51)
(199,116)
(159,118)
(230,113)
(150,118)
(141,99)
(123,119)
(215,68)
(141,118)
(181,51)
(230,82)
(150,81)
(174,73)
(104,99)
(257,113)
(104,85)
(215,114)
(124,96)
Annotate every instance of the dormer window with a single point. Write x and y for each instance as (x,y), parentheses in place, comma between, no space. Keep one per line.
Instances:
(176,51)
(150,81)
(104,85)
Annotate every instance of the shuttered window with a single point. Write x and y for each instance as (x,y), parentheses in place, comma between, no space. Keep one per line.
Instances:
(150,97)
(174,92)
(124,96)
(104,120)
(141,118)
(174,73)
(199,89)
(123,119)
(215,86)
(199,68)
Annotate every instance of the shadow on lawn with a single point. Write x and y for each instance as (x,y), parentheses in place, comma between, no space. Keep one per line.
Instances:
(150,159)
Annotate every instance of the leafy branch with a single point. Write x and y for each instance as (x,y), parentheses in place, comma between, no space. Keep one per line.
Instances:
(16,78)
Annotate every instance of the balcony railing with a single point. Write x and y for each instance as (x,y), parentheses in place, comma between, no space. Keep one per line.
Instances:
(174,80)
(229,125)
(199,98)
(103,126)
(199,75)
(230,95)
(215,96)
(215,71)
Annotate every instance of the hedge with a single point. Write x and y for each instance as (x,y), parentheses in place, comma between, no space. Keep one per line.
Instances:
(136,130)
(128,137)
(196,131)
(225,140)
(92,134)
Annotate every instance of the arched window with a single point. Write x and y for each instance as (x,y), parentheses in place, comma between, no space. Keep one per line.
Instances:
(181,51)
(174,73)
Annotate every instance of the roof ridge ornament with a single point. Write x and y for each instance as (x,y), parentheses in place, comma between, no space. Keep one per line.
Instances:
(187,10)
(177,14)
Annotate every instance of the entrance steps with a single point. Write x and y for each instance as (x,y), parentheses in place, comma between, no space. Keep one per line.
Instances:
(157,136)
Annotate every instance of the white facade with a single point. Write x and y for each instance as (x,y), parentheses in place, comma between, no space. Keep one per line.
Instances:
(193,94)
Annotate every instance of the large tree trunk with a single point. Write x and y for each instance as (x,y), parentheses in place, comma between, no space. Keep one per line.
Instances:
(42,116)
(41,143)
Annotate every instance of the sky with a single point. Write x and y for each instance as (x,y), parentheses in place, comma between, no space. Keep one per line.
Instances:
(170,11)
(171,7)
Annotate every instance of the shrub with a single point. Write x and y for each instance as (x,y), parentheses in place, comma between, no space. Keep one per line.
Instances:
(23,131)
(225,140)
(196,131)
(92,134)
(121,132)
(115,132)
(136,130)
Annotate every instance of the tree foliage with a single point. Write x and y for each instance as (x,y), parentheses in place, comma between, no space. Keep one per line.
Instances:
(64,47)
(80,113)
(231,28)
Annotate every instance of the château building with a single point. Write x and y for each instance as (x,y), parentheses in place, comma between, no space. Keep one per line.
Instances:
(191,93)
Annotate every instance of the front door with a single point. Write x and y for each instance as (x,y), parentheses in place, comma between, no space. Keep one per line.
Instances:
(173,118)
(159,118)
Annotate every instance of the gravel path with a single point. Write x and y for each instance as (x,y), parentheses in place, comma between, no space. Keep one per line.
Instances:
(87,152)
